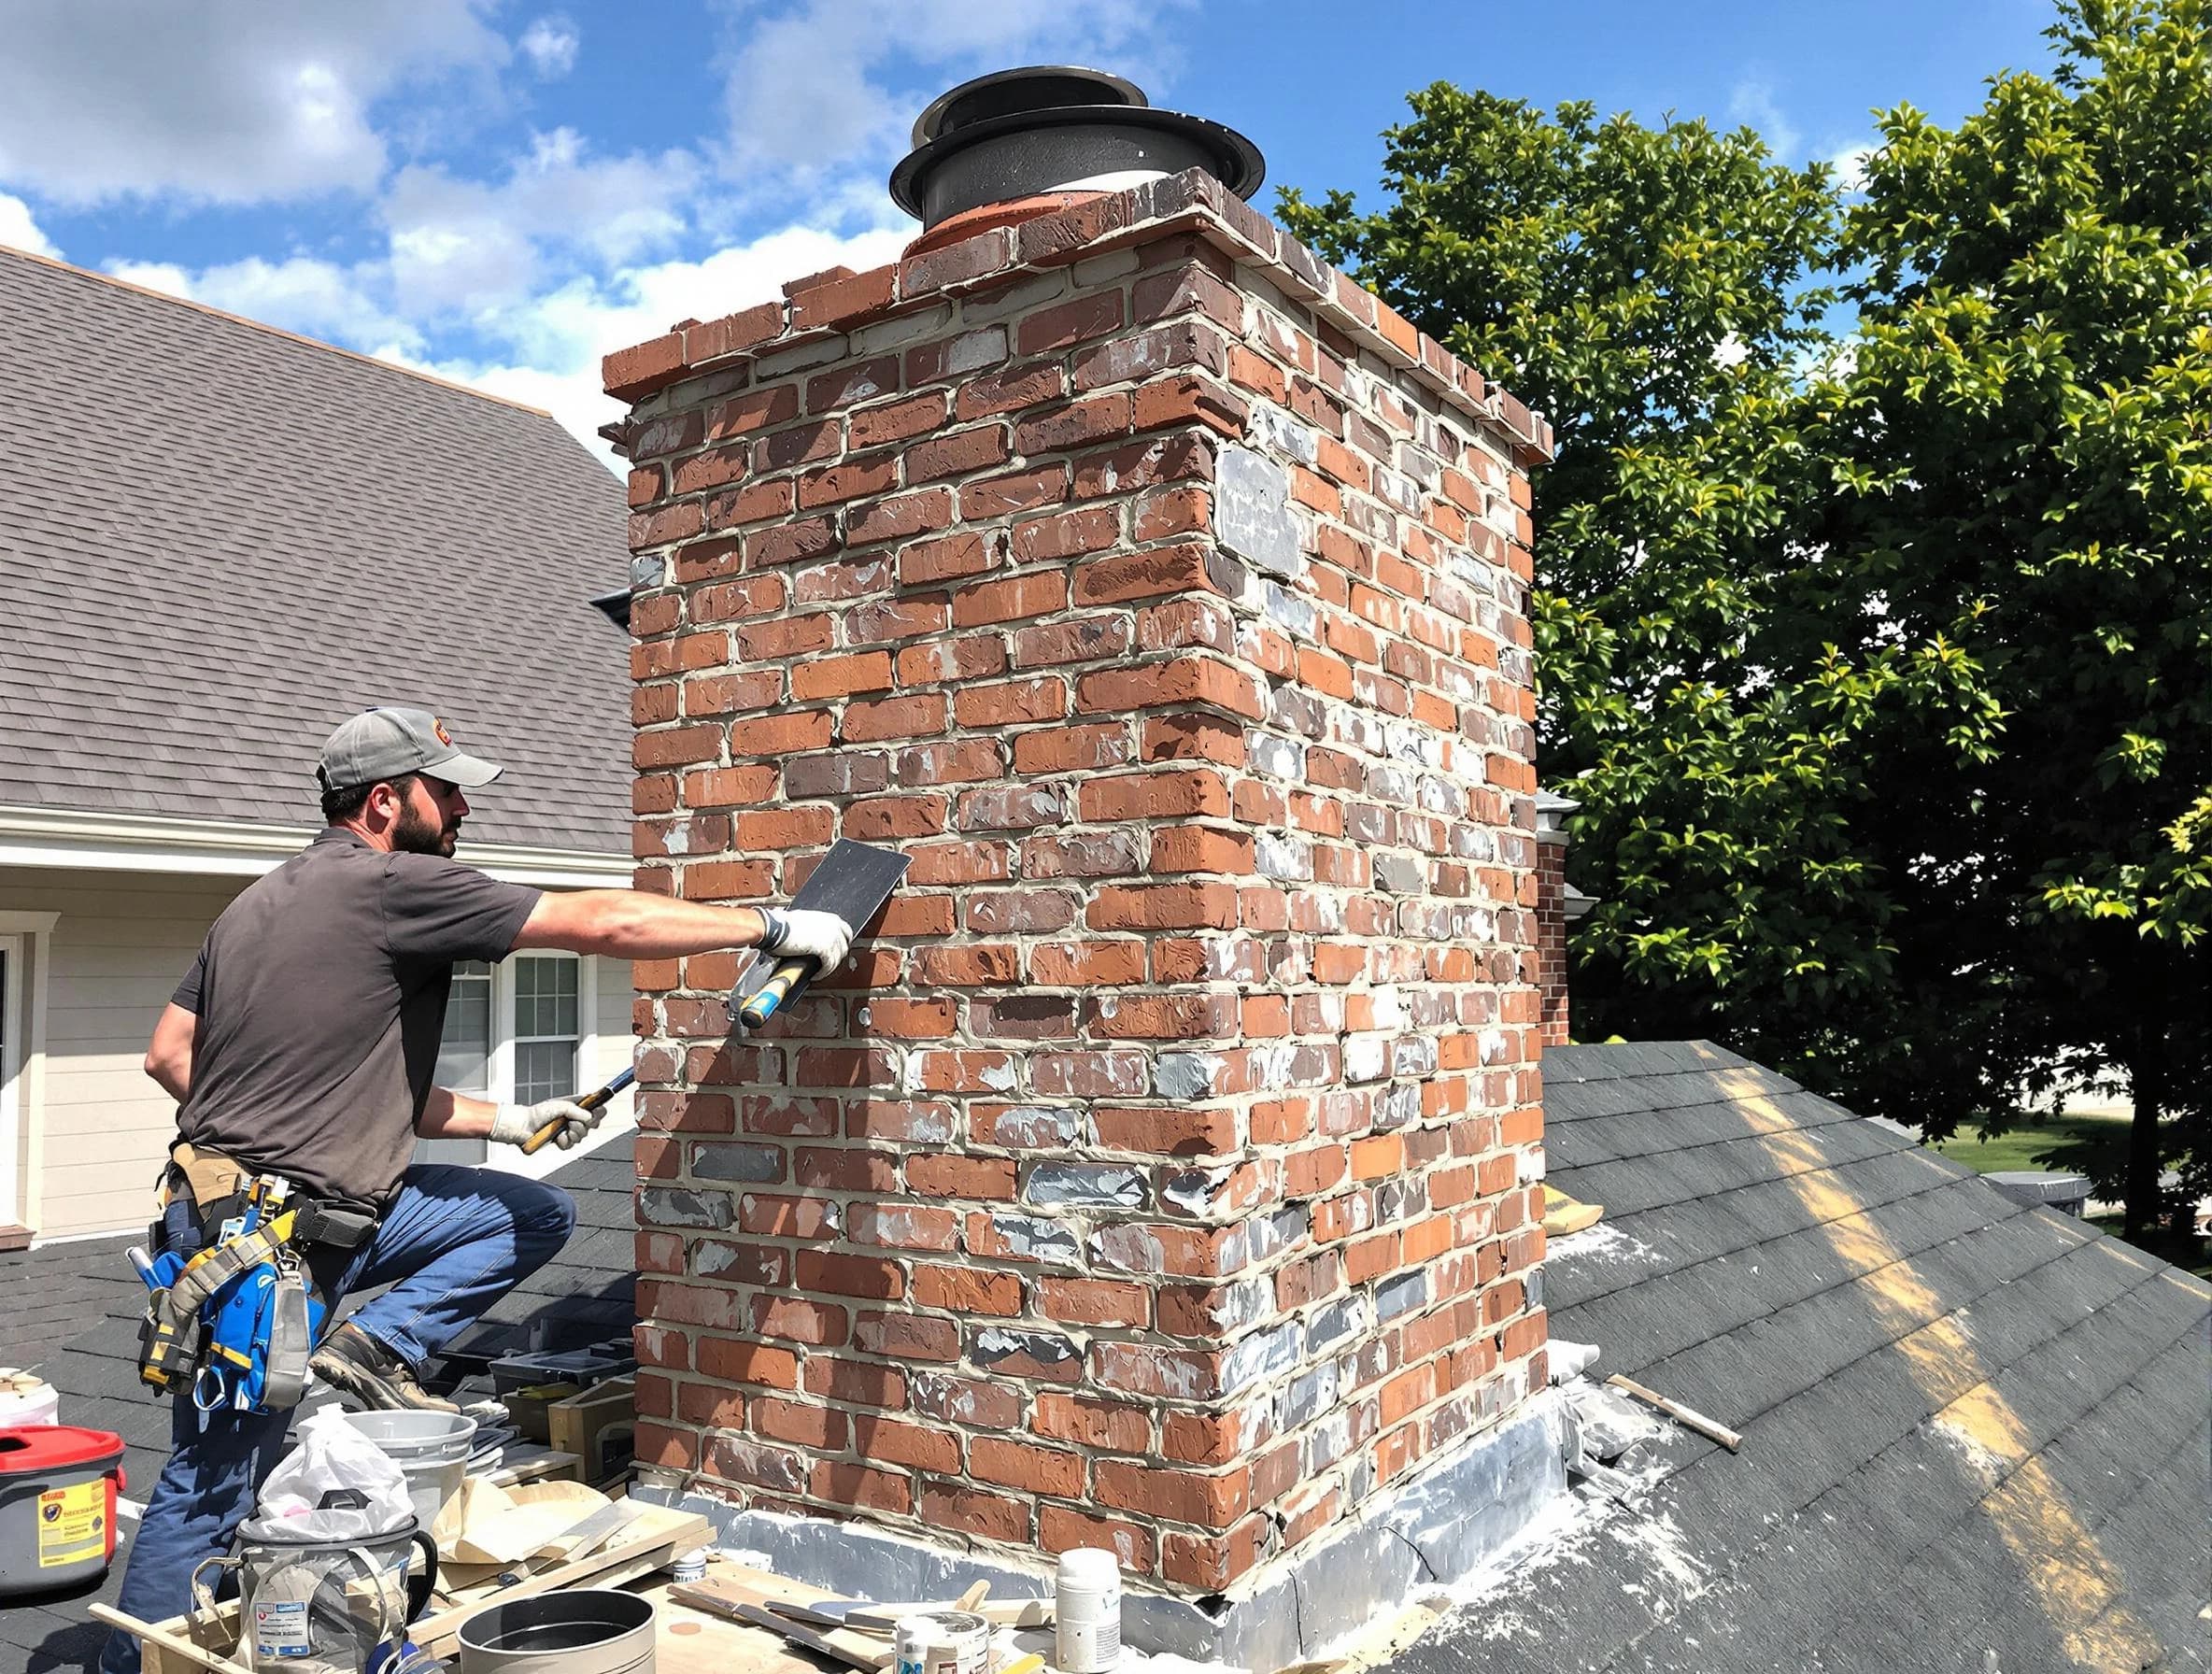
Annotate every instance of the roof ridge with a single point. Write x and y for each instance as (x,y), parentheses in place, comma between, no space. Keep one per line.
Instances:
(273,330)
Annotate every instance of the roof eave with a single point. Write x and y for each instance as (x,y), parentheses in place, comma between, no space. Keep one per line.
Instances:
(95,840)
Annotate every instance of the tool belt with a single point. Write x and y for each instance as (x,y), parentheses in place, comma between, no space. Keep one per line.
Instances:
(235,1321)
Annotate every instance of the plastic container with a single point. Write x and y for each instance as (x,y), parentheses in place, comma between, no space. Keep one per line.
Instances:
(1087,1611)
(26,1398)
(943,1643)
(58,1487)
(432,1450)
(584,1630)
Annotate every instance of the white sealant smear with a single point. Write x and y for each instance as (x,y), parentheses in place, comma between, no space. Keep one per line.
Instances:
(1573,1529)
(1608,1243)
(1987,1462)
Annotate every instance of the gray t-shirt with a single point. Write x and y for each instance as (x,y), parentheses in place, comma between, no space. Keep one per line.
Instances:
(320,995)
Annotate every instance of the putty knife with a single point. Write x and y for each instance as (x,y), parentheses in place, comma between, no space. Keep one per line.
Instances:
(853,881)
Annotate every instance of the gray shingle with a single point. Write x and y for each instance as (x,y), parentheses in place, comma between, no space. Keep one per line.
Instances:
(218,540)
(1848,1302)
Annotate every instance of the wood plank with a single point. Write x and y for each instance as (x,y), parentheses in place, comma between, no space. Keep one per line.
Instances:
(530,1462)
(163,1651)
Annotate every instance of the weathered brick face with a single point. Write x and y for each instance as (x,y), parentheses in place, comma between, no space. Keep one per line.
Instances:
(1160,1175)
(1550,939)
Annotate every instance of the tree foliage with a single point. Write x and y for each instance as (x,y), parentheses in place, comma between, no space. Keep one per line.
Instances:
(1881,660)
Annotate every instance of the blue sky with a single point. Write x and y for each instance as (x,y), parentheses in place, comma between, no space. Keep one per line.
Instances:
(502,192)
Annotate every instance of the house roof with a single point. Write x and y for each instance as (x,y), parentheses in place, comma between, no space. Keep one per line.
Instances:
(1968,1426)
(216,539)
(584,1294)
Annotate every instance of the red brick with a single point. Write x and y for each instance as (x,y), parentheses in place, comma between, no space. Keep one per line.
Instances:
(861,1486)
(841,676)
(1068,323)
(1010,389)
(888,1441)
(849,1275)
(968,1291)
(1035,594)
(993,1517)
(844,300)
(748,1363)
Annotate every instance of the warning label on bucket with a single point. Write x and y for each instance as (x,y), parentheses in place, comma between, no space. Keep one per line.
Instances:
(280,1629)
(73,1524)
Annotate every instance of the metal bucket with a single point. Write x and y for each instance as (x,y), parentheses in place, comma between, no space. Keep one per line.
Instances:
(584,1630)
(432,1450)
(324,1606)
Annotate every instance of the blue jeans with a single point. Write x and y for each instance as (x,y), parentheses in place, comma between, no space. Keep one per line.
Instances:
(456,1239)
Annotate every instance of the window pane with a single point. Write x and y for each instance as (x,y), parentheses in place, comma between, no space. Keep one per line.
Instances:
(545,999)
(544,1069)
(464,1050)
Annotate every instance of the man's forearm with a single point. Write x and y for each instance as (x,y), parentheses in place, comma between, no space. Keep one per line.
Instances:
(631,923)
(450,1115)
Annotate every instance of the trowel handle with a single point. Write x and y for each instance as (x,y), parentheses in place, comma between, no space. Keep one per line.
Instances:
(591,1101)
(762,1003)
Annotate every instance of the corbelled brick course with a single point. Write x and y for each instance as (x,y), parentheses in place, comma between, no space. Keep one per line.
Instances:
(1160,1173)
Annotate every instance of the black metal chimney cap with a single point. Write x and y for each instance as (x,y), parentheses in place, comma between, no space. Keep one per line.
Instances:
(1009,92)
(1005,137)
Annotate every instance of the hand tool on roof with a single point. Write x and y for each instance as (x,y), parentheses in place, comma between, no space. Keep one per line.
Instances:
(1688,1416)
(853,881)
(865,1615)
(783,1628)
(591,1101)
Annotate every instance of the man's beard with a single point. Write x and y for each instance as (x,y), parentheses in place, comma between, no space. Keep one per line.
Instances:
(414,835)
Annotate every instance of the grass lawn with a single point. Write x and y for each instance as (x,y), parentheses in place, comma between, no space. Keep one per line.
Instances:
(2019,1150)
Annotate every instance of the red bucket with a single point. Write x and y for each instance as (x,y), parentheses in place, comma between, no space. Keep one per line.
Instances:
(58,1488)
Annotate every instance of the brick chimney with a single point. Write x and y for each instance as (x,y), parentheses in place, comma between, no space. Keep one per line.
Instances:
(1558,904)
(1162,1175)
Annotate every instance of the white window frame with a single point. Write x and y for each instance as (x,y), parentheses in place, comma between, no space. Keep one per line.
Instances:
(28,939)
(500,1070)
(502,1018)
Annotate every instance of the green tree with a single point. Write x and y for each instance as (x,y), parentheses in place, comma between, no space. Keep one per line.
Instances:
(2022,440)
(1711,687)
(1884,664)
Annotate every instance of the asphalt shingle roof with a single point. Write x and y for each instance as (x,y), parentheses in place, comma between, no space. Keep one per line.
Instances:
(218,540)
(1968,1426)
(581,1296)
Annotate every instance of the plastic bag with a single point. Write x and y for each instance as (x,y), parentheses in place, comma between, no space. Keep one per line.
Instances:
(335,1485)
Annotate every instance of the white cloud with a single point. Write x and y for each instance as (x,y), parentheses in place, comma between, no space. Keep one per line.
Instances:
(20,230)
(234,101)
(459,244)
(809,88)
(315,299)
(1752,102)
(1849,164)
(550,45)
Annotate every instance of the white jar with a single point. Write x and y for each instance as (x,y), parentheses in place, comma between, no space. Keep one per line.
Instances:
(1087,1611)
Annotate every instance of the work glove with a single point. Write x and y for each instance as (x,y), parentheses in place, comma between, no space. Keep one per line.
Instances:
(518,1124)
(797,933)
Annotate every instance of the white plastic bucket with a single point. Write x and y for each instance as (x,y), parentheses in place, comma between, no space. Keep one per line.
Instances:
(432,1450)
(26,1398)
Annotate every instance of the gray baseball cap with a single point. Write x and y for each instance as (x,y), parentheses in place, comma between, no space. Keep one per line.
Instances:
(387,744)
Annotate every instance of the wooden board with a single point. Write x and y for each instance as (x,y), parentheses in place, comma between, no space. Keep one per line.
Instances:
(530,1463)
(653,1541)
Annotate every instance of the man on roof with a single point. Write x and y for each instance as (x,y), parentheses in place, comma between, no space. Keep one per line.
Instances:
(301,1046)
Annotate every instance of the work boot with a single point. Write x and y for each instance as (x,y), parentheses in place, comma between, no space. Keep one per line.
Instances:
(356,1364)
